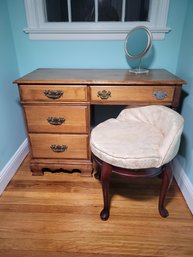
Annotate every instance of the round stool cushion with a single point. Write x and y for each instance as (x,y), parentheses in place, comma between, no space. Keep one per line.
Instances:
(141,137)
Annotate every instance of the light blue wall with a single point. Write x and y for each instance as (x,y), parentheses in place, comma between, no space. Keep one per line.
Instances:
(11,125)
(91,54)
(185,69)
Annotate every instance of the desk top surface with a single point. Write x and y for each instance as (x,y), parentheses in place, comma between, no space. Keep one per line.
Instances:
(98,77)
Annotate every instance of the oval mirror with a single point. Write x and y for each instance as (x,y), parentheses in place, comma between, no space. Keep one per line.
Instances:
(137,43)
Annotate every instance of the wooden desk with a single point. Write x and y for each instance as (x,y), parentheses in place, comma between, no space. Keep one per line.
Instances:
(56,104)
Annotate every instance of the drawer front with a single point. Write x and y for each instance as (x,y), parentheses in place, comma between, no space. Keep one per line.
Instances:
(59,146)
(57,119)
(53,93)
(136,94)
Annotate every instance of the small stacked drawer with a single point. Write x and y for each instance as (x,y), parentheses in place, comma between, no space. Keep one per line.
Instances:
(57,119)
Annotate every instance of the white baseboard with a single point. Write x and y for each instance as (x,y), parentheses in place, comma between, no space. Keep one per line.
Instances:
(184,183)
(13,164)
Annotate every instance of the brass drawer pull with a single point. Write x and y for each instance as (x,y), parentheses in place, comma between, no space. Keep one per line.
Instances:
(53,94)
(159,94)
(58,148)
(55,120)
(104,94)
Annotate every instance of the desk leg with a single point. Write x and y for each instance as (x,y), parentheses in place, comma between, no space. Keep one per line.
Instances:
(36,170)
(38,166)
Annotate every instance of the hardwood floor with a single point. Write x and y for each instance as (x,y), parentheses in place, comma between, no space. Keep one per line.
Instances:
(58,215)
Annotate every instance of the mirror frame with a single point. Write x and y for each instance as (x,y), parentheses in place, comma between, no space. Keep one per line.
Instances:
(148,46)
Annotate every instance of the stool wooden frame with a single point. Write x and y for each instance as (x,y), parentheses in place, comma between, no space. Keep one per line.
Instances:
(104,171)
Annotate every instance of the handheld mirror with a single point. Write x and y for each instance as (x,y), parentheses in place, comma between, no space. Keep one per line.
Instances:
(137,43)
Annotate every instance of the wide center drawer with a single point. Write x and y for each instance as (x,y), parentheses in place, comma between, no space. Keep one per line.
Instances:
(59,146)
(142,94)
(53,93)
(57,119)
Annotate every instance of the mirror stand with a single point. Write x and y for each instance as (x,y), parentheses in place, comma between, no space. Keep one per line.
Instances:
(139,70)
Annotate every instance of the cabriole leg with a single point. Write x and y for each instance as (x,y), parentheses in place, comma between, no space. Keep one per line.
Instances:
(167,177)
(106,172)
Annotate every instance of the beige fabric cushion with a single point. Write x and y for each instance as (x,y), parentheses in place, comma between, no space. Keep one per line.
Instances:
(141,137)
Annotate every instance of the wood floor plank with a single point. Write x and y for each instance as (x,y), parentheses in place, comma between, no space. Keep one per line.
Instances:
(57,215)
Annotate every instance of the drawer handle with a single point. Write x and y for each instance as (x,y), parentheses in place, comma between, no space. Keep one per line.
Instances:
(53,94)
(58,148)
(55,120)
(104,94)
(160,94)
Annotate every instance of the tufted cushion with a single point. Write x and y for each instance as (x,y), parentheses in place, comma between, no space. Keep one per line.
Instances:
(142,137)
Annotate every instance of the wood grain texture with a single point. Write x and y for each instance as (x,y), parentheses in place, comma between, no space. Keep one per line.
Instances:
(130,94)
(70,92)
(58,215)
(77,145)
(97,76)
(75,118)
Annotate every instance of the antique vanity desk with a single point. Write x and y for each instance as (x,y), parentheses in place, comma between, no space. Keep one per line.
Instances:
(57,108)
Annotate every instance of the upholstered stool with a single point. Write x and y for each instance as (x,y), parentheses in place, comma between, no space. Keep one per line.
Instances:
(140,142)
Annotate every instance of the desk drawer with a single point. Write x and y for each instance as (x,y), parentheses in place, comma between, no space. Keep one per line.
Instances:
(133,94)
(59,146)
(57,119)
(53,93)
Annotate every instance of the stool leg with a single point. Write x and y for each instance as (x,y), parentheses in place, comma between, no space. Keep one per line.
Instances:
(96,170)
(106,172)
(166,182)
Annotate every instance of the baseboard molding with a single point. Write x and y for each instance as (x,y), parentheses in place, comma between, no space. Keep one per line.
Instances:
(184,183)
(13,164)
